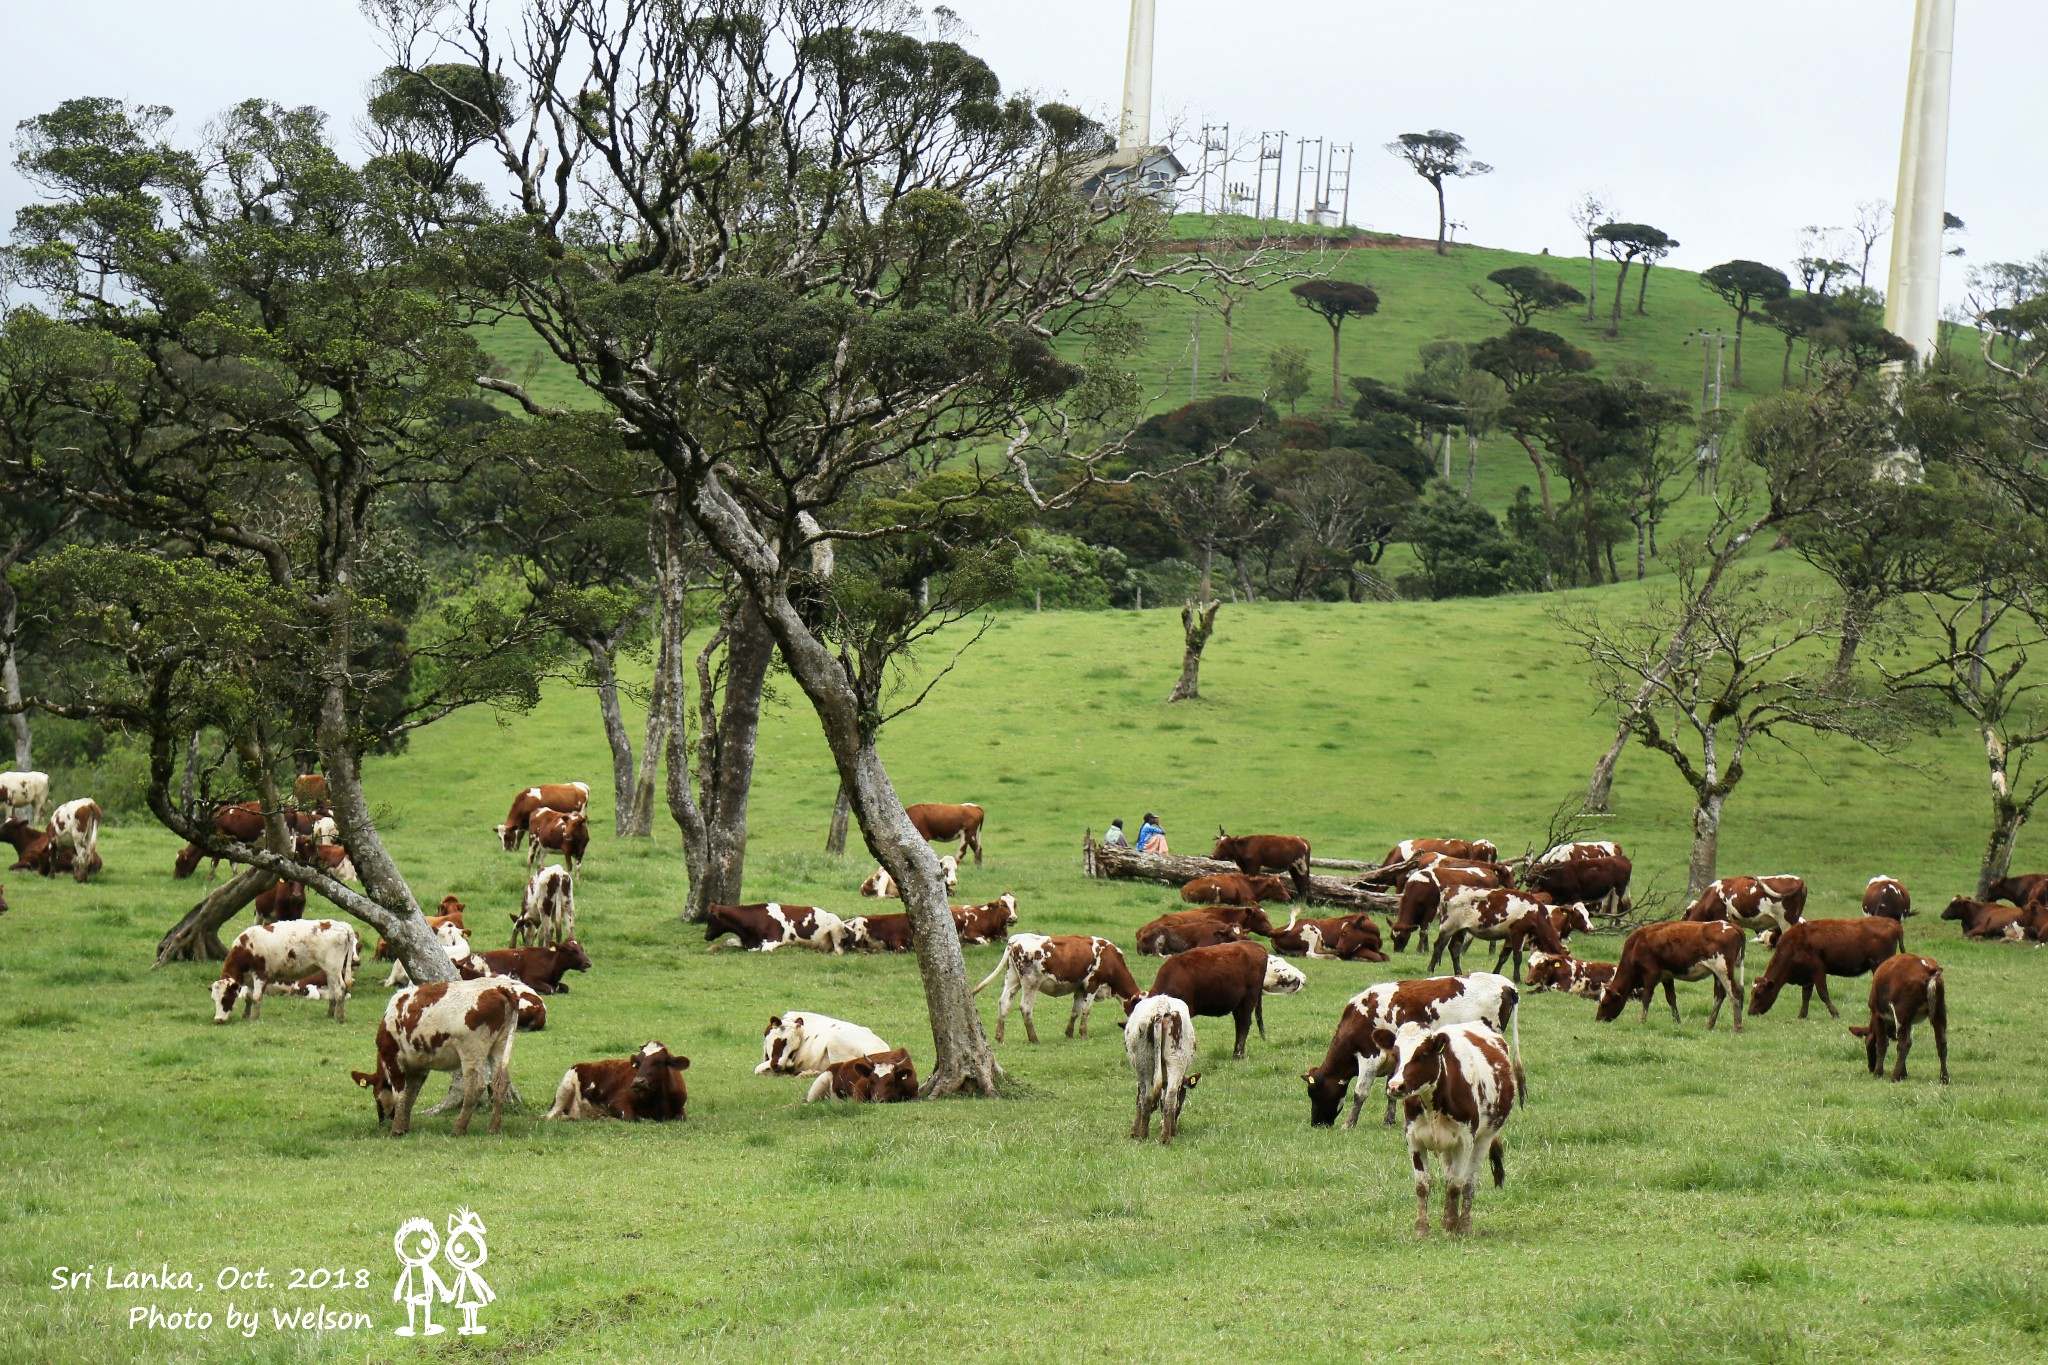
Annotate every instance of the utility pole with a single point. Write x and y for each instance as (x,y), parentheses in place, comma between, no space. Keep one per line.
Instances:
(1195,370)
(1273,148)
(1344,217)
(1215,138)
(1913,295)
(1713,345)
(1301,164)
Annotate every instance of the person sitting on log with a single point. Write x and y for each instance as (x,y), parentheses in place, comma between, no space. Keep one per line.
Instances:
(1152,836)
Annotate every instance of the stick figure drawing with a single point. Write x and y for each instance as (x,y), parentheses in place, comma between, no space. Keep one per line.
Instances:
(417,1244)
(465,1251)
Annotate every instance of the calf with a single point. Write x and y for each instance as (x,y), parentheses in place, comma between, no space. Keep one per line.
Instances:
(1493,914)
(1755,903)
(880,884)
(1254,853)
(1597,881)
(2019,890)
(329,858)
(1569,974)
(565,797)
(880,1078)
(1205,928)
(803,1044)
(1982,919)
(287,951)
(766,925)
(1229,978)
(1423,891)
(1678,950)
(451,913)
(1351,938)
(1363,1045)
(935,820)
(553,831)
(1474,850)
(547,912)
(647,1085)
(1813,950)
(1234,888)
(74,829)
(282,900)
(1089,969)
(988,922)
(1159,1040)
(29,791)
(1887,896)
(540,968)
(1904,990)
(1457,1088)
(465,1026)
(880,933)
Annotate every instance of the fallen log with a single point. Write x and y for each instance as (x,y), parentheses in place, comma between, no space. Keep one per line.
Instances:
(1175,870)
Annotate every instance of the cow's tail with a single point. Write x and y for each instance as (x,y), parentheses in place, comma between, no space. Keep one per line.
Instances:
(1937,1003)
(1002,965)
(1514,1022)
(1161,1023)
(1300,871)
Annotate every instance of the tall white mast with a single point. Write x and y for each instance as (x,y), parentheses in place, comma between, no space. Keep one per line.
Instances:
(1913,296)
(1134,130)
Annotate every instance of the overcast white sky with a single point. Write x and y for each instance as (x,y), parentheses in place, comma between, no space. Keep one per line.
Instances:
(1729,123)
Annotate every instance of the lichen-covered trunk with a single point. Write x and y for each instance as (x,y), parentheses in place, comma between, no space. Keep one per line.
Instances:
(604,669)
(1740,315)
(1197,623)
(196,937)
(1711,795)
(749,648)
(1542,475)
(10,680)
(1471,461)
(842,811)
(2006,814)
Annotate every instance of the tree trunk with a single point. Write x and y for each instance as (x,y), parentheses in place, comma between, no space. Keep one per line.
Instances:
(602,668)
(1642,557)
(1442,219)
(10,680)
(1855,617)
(835,837)
(196,937)
(1542,476)
(1471,461)
(1226,308)
(1740,314)
(1336,364)
(1592,278)
(1602,785)
(1174,869)
(1620,287)
(1244,580)
(962,1058)
(1706,845)
(188,783)
(749,649)
(1643,290)
(1197,622)
(1785,374)
(2006,815)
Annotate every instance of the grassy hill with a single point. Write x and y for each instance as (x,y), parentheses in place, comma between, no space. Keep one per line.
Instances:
(1671,1195)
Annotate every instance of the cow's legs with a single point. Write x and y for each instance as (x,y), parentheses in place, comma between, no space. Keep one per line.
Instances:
(1169,1111)
(1442,942)
(254,1009)
(472,1091)
(501,1080)
(1141,1126)
(1421,1164)
(1905,1046)
(1457,942)
(1244,1030)
(1508,946)
(1937,1017)
(1822,986)
(402,1120)
(1366,1071)
(1004,1001)
(1670,998)
(1805,997)
(1025,1006)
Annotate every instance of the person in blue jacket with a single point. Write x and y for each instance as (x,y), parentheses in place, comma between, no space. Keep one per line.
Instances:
(1151,835)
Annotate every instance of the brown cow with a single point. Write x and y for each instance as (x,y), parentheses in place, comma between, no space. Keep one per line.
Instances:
(1234,888)
(1904,990)
(451,913)
(1678,950)
(1813,950)
(1597,880)
(1887,896)
(554,831)
(1254,853)
(1229,978)
(880,933)
(1424,889)
(540,968)
(937,821)
(1566,920)
(1350,938)
(1471,850)
(879,1078)
(647,1085)
(37,851)
(1755,903)
(2019,890)
(987,922)
(1089,969)
(1185,929)
(241,821)
(309,790)
(283,900)
(67,845)
(1569,974)
(1982,919)
(330,858)
(1494,914)
(566,797)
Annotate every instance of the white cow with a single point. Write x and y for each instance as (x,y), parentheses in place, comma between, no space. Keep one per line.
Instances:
(24,791)
(287,951)
(75,825)
(462,1026)
(547,912)
(803,1044)
(325,831)
(453,937)
(1282,976)
(1159,1039)
(881,884)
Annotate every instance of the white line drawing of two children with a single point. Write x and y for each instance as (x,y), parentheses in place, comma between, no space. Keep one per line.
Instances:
(419,1285)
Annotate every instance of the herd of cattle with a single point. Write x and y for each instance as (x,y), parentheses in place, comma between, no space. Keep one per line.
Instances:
(1448,1047)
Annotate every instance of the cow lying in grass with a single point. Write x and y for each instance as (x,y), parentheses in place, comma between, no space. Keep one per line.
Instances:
(879,1078)
(803,1044)
(647,1085)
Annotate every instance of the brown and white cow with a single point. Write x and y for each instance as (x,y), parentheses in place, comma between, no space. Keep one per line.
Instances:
(540,968)
(1678,950)
(764,926)
(937,821)
(465,1026)
(883,886)
(282,900)
(1471,850)
(2019,890)
(451,913)
(1904,990)
(455,939)
(1348,938)
(1089,969)
(74,827)
(1229,978)
(1159,1043)
(1363,1045)
(547,911)
(565,797)
(1184,929)
(1457,1088)
(1887,896)
(1982,919)
(1254,853)
(563,832)
(1599,882)
(1568,974)
(29,791)
(1423,890)
(1234,888)
(1497,915)
(803,1044)
(38,854)
(1566,920)
(332,859)
(287,951)
(1583,848)
(1813,950)
(987,922)
(647,1085)
(1755,903)
(880,1078)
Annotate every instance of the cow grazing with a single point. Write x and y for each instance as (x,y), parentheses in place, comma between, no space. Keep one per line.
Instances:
(565,797)
(1234,888)
(1755,903)
(29,791)
(1229,978)
(1159,1040)
(287,951)
(767,925)
(1678,950)
(647,1085)
(1423,891)
(540,968)
(803,1044)
(547,912)
(1584,848)
(1887,896)
(1493,914)
(553,831)
(1473,850)
(1185,929)
(465,1026)
(282,900)
(881,1078)
(1905,989)
(1982,919)
(1565,920)
(309,791)
(451,913)
(455,939)
(1349,938)
(332,859)
(1254,853)
(1363,1045)
(2019,890)
(239,822)
(1569,974)
(1813,950)
(1089,969)
(987,922)
(74,827)
(1599,882)
(936,821)
(38,852)
(880,884)
(1457,1088)
(880,933)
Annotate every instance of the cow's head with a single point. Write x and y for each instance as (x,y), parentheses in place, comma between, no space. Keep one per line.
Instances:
(856,933)
(452,907)
(381,1090)
(1271,889)
(778,1041)
(1009,903)
(1226,847)
(1256,922)
(1326,1091)
(1576,921)
(1959,908)
(658,1088)
(1485,850)
(509,835)
(1764,993)
(1418,1061)
(225,991)
(1612,998)
(950,866)
(889,1077)
(187,861)
(1283,977)
(571,957)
